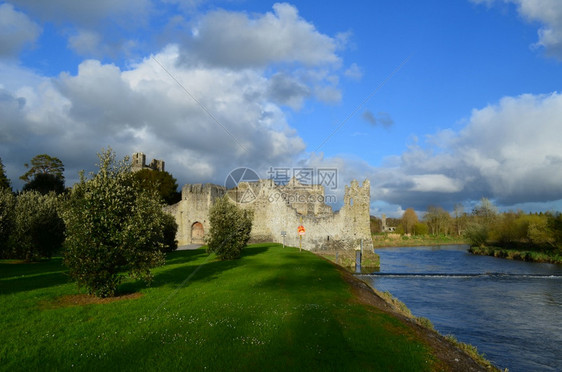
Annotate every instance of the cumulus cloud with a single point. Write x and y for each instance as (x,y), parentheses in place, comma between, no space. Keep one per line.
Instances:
(548,13)
(16,30)
(212,102)
(509,152)
(93,44)
(232,39)
(73,116)
(288,90)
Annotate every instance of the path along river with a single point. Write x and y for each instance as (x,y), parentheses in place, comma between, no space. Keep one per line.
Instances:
(510,310)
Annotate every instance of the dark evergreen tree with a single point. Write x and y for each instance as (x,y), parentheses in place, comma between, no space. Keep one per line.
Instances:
(4,181)
(45,183)
(160,181)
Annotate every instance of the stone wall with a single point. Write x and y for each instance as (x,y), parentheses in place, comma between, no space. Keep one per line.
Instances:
(283,208)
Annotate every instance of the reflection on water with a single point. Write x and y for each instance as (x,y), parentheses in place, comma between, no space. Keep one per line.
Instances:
(510,310)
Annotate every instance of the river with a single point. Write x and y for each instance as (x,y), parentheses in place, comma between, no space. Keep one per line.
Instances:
(510,310)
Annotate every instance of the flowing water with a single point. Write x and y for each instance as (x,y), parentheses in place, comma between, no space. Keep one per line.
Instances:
(510,310)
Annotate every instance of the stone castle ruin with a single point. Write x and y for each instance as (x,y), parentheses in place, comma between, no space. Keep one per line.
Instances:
(139,162)
(278,211)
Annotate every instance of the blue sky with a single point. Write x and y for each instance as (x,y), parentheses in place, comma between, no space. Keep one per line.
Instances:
(435,102)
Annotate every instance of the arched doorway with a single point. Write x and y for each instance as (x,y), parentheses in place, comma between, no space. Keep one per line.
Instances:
(197,233)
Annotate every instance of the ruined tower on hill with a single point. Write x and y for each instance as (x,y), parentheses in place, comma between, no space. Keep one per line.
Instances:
(139,162)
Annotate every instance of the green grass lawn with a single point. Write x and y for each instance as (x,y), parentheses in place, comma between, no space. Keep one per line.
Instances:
(274,309)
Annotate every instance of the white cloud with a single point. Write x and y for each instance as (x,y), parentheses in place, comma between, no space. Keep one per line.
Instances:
(144,109)
(92,43)
(509,152)
(238,40)
(16,30)
(354,72)
(435,183)
(548,13)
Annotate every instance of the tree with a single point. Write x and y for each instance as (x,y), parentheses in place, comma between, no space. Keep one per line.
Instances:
(160,181)
(460,218)
(7,218)
(421,228)
(45,183)
(230,229)
(170,230)
(485,212)
(555,225)
(44,164)
(114,228)
(38,228)
(4,181)
(477,234)
(375,224)
(437,219)
(409,220)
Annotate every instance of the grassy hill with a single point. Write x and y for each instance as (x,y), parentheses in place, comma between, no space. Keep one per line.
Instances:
(274,309)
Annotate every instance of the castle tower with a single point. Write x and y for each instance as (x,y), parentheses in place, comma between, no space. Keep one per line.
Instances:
(139,161)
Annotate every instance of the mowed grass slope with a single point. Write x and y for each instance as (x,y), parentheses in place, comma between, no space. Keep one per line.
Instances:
(274,309)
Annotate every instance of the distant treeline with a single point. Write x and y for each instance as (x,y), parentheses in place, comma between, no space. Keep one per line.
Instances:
(485,227)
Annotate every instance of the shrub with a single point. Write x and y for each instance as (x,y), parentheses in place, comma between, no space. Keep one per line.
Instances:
(230,229)
(114,228)
(477,234)
(170,230)
(421,228)
(38,229)
(7,217)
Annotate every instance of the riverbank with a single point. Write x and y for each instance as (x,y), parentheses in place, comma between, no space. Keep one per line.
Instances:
(516,254)
(273,309)
(397,240)
(453,355)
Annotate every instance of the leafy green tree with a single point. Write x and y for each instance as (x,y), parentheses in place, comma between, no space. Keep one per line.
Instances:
(477,234)
(160,181)
(7,220)
(230,229)
(539,231)
(44,164)
(421,228)
(45,183)
(4,181)
(38,228)
(555,225)
(114,228)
